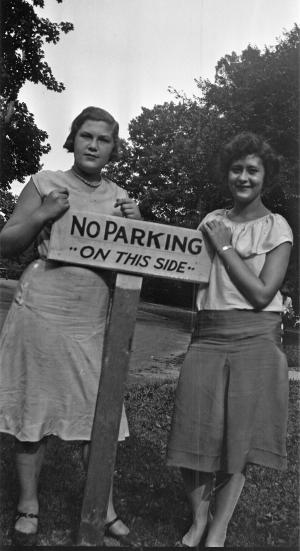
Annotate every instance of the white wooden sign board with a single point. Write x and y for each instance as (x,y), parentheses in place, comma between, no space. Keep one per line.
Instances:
(131,246)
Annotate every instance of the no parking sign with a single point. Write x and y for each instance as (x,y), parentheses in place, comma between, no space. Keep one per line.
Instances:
(131,246)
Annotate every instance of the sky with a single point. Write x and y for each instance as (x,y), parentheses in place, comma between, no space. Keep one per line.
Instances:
(124,55)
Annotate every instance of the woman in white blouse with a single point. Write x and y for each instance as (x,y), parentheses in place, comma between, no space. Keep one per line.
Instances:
(232,396)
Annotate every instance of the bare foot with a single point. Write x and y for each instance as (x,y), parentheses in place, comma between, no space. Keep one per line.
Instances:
(27,525)
(193,536)
(118,528)
(216,539)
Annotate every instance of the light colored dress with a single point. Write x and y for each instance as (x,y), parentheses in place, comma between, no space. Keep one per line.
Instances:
(51,342)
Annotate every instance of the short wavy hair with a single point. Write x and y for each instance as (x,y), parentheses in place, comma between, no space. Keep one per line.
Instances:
(248,143)
(94,114)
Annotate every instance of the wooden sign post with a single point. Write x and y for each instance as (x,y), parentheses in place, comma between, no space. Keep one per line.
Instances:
(117,346)
(133,248)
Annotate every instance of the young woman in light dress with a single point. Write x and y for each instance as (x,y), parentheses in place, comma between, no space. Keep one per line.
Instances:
(51,343)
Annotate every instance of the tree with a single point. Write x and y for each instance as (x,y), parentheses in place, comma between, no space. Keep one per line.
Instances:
(23,35)
(7,203)
(162,162)
(259,91)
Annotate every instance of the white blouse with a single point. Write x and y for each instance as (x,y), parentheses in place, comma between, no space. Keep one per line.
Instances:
(252,240)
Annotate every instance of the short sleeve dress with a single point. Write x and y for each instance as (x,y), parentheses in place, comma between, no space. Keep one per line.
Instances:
(51,342)
(231,401)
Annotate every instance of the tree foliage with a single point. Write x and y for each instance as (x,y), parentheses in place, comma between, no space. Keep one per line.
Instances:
(259,91)
(23,34)
(22,146)
(7,202)
(160,164)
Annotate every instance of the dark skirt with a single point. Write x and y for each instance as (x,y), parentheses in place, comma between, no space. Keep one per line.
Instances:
(231,402)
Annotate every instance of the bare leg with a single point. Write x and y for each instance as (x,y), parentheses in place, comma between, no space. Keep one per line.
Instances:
(198,486)
(226,500)
(29,458)
(118,528)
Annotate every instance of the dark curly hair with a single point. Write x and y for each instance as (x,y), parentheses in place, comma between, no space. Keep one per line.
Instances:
(94,114)
(248,143)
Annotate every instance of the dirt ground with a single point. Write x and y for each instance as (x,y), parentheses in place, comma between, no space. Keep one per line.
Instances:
(162,335)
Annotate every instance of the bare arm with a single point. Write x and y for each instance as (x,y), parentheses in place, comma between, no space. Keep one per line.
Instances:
(258,290)
(29,217)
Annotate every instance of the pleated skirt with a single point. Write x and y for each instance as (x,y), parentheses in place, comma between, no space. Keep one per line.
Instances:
(51,352)
(231,402)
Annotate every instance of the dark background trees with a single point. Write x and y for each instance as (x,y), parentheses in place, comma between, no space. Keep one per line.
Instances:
(160,162)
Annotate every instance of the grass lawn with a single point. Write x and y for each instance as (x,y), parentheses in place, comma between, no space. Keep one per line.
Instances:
(150,496)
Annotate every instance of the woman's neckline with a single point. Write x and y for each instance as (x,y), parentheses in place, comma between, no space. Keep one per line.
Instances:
(227,211)
(86,182)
